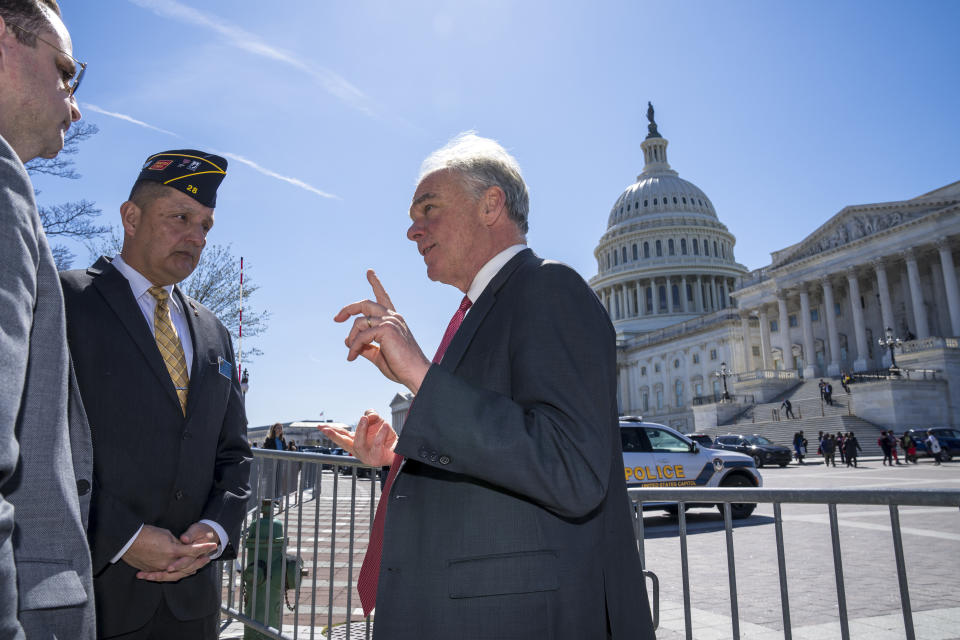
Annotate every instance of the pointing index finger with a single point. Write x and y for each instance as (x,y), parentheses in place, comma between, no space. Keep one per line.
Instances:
(378,291)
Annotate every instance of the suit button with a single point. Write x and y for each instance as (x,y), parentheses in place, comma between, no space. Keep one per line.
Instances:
(433,456)
(187,435)
(178,495)
(83,487)
(423,452)
(444,459)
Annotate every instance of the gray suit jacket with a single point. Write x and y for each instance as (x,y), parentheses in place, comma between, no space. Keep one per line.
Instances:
(45,452)
(510,518)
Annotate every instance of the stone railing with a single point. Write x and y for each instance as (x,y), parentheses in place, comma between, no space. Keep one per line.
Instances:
(925,344)
(680,328)
(766,374)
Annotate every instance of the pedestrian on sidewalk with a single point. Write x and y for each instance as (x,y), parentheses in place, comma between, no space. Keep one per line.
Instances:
(885,447)
(933,446)
(845,381)
(828,447)
(828,393)
(892,441)
(839,441)
(819,441)
(851,447)
(799,446)
(787,408)
(823,390)
(909,447)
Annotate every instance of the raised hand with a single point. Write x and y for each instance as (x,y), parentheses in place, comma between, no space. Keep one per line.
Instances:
(372,443)
(382,336)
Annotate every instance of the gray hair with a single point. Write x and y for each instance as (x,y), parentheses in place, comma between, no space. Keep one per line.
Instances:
(483,163)
(30,15)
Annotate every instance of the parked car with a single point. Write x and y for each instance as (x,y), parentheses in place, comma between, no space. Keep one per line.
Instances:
(757,447)
(703,439)
(654,455)
(948,438)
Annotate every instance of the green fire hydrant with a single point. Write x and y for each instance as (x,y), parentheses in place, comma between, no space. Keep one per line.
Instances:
(266,554)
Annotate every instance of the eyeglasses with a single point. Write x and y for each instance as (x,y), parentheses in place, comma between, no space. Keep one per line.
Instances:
(72,82)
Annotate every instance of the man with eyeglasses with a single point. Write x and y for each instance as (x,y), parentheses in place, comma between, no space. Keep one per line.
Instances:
(46,586)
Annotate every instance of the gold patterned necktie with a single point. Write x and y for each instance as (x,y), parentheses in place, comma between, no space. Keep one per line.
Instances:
(168,342)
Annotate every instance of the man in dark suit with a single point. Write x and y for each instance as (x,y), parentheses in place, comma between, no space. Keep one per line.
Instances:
(158,380)
(46,587)
(507,510)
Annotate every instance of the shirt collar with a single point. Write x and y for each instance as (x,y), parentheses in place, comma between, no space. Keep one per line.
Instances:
(487,271)
(138,282)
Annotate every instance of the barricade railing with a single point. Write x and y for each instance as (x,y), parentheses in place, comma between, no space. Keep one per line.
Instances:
(893,498)
(269,586)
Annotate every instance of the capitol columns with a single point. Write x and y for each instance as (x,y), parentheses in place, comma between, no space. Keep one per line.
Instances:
(916,294)
(833,338)
(950,284)
(786,345)
(809,357)
(683,293)
(853,284)
(886,306)
(745,330)
(765,339)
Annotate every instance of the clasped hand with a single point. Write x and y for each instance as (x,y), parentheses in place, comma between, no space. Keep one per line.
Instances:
(161,557)
(382,336)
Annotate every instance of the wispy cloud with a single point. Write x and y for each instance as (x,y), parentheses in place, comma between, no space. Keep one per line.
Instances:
(122,116)
(273,174)
(238,37)
(242,160)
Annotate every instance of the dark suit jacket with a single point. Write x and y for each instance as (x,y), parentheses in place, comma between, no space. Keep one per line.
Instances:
(46,460)
(510,518)
(152,465)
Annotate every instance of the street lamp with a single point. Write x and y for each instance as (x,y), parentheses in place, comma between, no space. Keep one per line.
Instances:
(889,341)
(722,374)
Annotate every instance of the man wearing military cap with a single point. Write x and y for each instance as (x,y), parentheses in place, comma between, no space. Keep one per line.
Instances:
(157,376)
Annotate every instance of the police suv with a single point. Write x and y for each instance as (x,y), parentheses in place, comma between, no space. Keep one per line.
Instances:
(655,455)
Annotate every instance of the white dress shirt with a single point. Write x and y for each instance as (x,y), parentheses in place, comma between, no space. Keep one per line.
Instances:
(140,286)
(492,268)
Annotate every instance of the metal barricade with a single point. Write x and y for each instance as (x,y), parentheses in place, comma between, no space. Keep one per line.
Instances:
(893,498)
(309,507)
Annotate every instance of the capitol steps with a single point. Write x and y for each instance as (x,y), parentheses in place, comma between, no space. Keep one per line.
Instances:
(781,431)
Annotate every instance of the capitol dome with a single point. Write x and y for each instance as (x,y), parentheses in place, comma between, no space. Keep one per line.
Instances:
(665,256)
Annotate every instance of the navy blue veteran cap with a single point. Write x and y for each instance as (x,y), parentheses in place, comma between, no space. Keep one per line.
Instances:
(193,172)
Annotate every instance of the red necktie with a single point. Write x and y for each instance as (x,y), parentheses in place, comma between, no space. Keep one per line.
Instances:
(370,569)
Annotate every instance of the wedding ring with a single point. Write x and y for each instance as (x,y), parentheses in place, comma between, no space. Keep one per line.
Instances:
(369,322)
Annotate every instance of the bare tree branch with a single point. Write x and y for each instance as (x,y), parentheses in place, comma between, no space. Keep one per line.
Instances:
(62,165)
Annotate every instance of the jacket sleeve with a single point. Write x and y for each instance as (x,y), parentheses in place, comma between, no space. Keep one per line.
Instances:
(19,260)
(226,504)
(550,439)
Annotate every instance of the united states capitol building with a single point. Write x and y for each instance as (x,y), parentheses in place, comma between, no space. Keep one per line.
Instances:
(685,309)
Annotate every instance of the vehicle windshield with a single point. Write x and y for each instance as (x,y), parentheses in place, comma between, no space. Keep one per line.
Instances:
(757,440)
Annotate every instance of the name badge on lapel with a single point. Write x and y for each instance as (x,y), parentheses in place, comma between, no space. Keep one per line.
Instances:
(225,367)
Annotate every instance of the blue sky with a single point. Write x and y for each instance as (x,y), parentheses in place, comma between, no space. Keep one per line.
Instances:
(782,112)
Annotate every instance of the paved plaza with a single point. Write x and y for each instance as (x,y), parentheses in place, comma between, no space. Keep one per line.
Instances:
(931,538)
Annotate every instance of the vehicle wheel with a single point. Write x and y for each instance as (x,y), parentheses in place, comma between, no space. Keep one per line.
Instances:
(783,464)
(945,456)
(675,510)
(757,460)
(738,510)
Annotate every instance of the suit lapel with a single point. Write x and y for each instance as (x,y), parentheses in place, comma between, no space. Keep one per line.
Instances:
(199,333)
(115,290)
(478,311)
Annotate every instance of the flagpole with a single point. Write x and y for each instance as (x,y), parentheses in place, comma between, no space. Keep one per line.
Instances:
(240,336)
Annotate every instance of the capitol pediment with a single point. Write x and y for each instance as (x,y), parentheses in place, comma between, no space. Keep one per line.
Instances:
(854,223)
